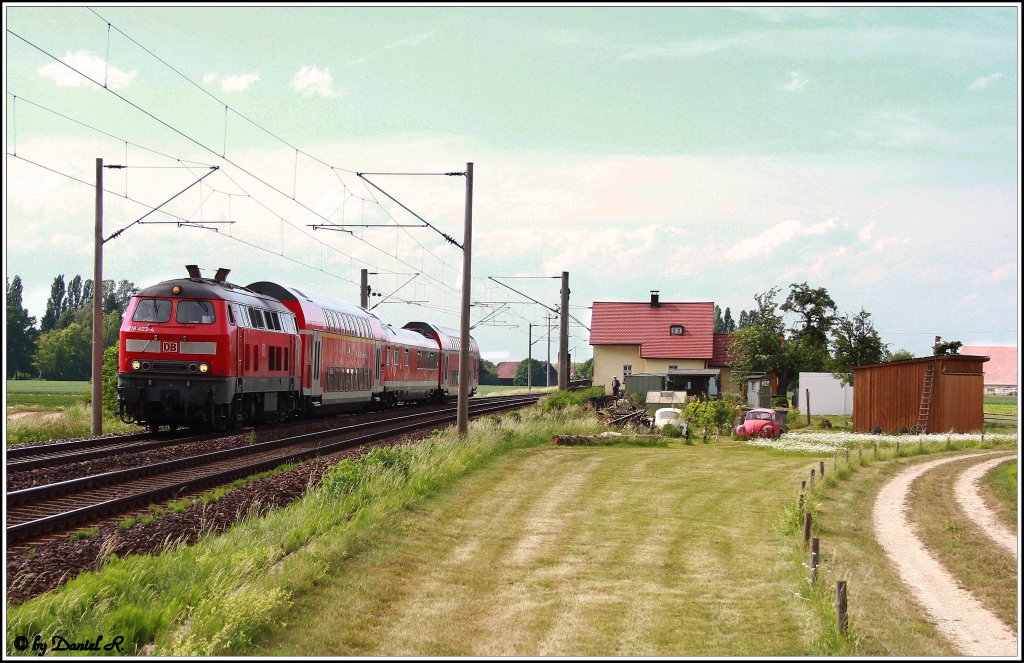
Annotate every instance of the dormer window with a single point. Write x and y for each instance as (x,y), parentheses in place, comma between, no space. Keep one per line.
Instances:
(675,330)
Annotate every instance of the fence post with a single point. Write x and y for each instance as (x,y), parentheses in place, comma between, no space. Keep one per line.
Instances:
(847,456)
(807,404)
(814,560)
(841,606)
(876,450)
(807,528)
(821,465)
(801,503)
(812,478)
(897,448)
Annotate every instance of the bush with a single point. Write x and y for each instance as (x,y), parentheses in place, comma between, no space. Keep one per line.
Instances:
(559,400)
(780,401)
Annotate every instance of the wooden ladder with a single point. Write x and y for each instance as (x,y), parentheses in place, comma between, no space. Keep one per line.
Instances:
(926,399)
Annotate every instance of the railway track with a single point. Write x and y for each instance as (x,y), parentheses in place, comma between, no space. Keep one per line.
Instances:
(60,453)
(35,511)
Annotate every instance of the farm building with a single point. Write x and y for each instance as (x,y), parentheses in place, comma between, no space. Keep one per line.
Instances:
(1001,368)
(507,373)
(930,394)
(671,344)
(823,394)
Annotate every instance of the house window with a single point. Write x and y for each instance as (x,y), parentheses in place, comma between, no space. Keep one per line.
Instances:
(673,367)
(675,330)
(627,369)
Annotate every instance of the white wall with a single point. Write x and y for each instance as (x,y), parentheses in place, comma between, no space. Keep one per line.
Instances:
(828,395)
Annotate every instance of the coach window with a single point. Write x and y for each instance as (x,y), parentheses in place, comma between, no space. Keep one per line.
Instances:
(194,312)
(152,310)
(407,356)
(231,313)
(277,320)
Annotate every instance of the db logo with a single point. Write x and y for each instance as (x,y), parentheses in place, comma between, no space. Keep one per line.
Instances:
(168,346)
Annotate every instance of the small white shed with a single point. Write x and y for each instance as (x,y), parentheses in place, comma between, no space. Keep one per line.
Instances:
(828,396)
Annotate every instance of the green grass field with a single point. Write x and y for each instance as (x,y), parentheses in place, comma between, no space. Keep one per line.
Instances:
(502,390)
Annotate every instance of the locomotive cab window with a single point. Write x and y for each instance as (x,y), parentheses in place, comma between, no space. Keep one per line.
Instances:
(194,312)
(152,310)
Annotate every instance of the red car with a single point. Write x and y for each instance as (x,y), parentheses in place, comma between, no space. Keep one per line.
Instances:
(761,422)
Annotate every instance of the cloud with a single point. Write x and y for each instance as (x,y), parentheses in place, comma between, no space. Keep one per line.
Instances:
(410,42)
(763,245)
(238,82)
(92,66)
(882,244)
(865,233)
(983,82)
(902,129)
(309,81)
(1003,273)
(797,81)
(209,78)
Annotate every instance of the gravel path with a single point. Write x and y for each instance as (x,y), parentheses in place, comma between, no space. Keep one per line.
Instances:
(974,505)
(956,613)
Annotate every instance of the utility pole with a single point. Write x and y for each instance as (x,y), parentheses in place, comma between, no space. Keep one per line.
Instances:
(547,367)
(97,309)
(529,358)
(462,418)
(364,289)
(563,340)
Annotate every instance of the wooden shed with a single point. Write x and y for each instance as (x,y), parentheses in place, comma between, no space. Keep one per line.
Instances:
(928,394)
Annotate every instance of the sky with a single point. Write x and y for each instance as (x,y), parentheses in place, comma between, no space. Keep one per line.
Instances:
(710,153)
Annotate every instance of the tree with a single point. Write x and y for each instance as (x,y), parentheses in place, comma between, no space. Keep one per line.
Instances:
(719,322)
(730,324)
(488,372)
(536,369)
(54,305)
(65,354)
(760,346)
(585,371)
(899,355)
(21,332)
(946,347)
(855,342)
(816,312)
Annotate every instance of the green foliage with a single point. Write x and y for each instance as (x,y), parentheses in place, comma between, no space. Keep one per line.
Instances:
(705,418)
(21,332)
(899,355)
(536,373)
(855,342)
(780,401)
(65,354)
(86,533)
(559,400)
(946,348)
(488,372)
(110,380)
(585,371)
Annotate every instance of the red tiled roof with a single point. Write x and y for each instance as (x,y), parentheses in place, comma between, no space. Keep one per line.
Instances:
(720,355)
(1001,367)
(638,323)
(507,369)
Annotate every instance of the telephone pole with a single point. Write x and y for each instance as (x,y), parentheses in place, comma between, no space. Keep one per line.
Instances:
(529,357)
(563,340)
(462,417)
(97,309)
(364,289)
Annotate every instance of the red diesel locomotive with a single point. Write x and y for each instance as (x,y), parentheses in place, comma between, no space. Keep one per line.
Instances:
(208,353)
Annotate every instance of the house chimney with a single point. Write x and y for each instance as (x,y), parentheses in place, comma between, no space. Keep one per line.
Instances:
(654,299)
(193,272)
(222,274)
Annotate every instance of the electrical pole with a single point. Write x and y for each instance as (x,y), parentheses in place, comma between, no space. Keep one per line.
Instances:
(462,418)
(563,340)
(97,309)
(529,358)
(364,289)
(547,367)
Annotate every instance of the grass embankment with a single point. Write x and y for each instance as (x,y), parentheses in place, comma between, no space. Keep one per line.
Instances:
(960,545)
(1000,491)
(505,390)
(223,594)
(574,551)
(41,410)
(884,618)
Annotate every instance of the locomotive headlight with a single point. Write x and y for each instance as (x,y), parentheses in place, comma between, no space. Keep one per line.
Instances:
(204,367)
(176,290)
(136,365)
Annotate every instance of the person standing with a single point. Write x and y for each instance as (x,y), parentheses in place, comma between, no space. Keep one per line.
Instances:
(615,386)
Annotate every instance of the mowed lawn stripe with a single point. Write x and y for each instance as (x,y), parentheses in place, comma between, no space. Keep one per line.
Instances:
(576,551)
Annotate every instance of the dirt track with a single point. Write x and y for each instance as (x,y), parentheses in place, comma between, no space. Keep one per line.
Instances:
(956,613)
